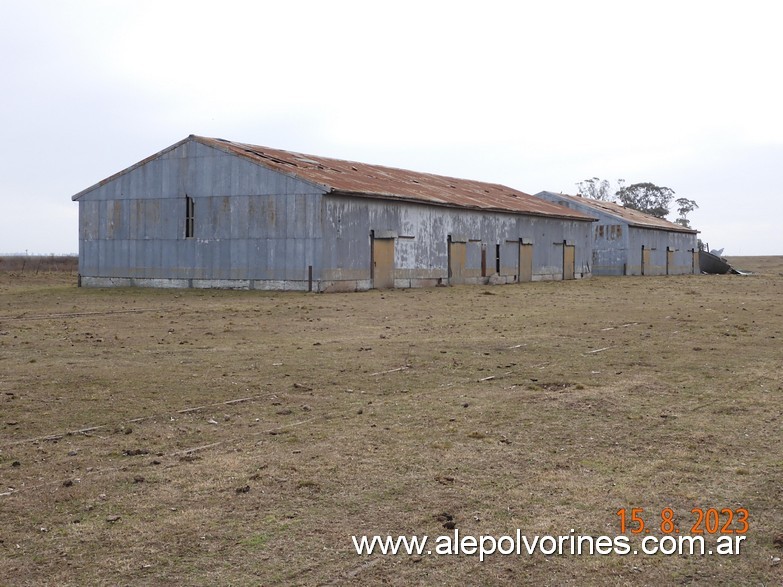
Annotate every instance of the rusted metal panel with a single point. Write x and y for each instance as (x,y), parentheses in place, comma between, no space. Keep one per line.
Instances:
(354,178)
(629,216)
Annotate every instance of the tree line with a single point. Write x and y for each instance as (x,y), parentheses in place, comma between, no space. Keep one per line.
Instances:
(645,197)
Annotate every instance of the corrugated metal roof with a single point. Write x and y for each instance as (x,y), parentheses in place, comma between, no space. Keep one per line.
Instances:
(362,179)
(631,216)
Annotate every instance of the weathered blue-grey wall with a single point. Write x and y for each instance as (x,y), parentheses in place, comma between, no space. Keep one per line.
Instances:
(659,242)
(421,234)
(257,228)
(617,245)
(250,223)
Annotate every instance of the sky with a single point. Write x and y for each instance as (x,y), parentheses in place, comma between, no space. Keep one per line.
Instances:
(685,94)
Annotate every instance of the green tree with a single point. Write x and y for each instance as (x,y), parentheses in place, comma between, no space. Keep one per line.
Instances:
(646,197)
(685,207)
(597,189)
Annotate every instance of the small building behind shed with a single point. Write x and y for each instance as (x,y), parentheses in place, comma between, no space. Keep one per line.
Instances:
(628,242)
(208,212)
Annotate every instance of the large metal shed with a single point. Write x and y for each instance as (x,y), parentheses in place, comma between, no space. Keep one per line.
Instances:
(629,242)
(208,212)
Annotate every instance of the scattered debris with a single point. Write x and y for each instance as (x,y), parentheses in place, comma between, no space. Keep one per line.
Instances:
(444,479)
(389,371)
(713,262)
(606,348)
(135,452)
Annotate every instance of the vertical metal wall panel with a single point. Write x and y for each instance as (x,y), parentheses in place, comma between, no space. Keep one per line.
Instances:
(258,261)
(295,267)
(132,258)
(142,214)
(239,225)
(352,219)
(617,244)
(224,260)
(259,224)
(238,268)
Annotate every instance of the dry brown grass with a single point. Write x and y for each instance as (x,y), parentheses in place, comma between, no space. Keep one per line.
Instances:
(241,438)
(39,263)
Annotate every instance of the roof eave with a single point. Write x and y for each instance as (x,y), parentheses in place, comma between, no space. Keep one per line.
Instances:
(412,200)
(656,227)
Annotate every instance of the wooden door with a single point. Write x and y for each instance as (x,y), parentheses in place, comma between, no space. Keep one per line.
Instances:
(669,260)
(569,261)
(457,256)
(645,260)
(525,263)
(383,263)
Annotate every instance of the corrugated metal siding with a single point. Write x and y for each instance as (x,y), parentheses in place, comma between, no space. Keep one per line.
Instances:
(355,178)
(250,222)
(617,245)
(658,241)
(421,247)
(254,223)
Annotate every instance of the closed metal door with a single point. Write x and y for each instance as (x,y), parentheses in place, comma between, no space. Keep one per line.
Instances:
(383,263)
(457,256)
(525,263)
(569,261)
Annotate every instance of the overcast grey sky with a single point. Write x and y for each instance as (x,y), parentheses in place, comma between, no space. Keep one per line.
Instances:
(534,95)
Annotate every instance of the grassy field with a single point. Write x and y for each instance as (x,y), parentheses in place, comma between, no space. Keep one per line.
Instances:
(39,263)
(190,437)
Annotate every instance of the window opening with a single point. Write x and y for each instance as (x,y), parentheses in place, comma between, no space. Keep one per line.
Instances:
(189,216)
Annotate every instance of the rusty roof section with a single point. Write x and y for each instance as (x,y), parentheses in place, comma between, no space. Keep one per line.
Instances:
(365,180)
(631,216)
